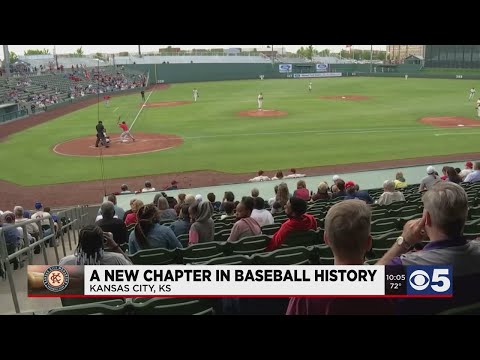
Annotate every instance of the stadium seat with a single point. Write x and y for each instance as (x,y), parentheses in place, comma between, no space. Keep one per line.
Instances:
(298,255)
(301,238)
(473,309)
(249,245)
(270,229)
(201,252)
(230,260)
(90,309)
(81,301)
(155,257)
(173,306)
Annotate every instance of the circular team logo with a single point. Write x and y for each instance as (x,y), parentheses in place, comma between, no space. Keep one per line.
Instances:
(56,278)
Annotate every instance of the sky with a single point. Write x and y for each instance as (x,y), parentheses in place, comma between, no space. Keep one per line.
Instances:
(92,49)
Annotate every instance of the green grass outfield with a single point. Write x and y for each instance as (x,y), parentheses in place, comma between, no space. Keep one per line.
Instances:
(316,132)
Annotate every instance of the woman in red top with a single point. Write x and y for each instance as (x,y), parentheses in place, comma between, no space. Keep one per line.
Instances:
(132,217)
(302,191)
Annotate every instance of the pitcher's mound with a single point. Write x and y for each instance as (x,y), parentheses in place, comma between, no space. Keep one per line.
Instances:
(263,113)
(144,143)
(450,121)
(346,97)
(167,103)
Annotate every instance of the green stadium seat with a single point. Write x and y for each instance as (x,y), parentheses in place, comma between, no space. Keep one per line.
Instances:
(473,309)
(249,245)
(201,252)
(90,309)
(230,260)
(271,229)
(155,257)
(81,301)
(298,255)
(173,306)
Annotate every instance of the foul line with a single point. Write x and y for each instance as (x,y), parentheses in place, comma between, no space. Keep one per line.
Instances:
(139,111)
(115,109)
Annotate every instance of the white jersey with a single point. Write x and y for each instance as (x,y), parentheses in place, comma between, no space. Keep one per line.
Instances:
(260,97)
(472,91)
(195,93)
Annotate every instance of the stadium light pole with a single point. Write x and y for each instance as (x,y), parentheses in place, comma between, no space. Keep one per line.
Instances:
(139,51)
(371,57)
(6,60)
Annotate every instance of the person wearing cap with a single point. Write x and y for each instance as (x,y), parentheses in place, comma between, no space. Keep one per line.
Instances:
(353,193)
(172,186)
(468,169)
(390,195)
(429,180)
(474,176)
(40,214)
(101,135)
(302,191)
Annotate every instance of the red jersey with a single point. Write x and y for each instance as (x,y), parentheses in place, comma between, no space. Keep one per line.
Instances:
(124,127)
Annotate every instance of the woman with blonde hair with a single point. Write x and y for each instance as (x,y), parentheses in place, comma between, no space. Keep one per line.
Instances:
(131,218)
(283,195)
(322,192)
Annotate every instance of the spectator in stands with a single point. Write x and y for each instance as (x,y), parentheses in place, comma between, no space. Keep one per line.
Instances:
(148,187)
(198,198)
(302,191)
(474,176)
(165,213)
(149,234)
(277,208)
(229,208)
(131,218)
(12,236)
(215,204)
(181,201)
(260,177)
(340,184)
(322,192)
(40,215)
(453,176)
(278,176)
(125,190)
(183,224)
(468,169)
(227,197)
(203,229)
(246,225)
(255,193)
(429,180)
(353,193)
(119,212)
(283,195)
(390,195)
(32,228)
(108,223)
(92,242)
(347,232)
(129,211)
(400,181)
(260,214)
(444,216)
(444,173)
(458,171)
(298,220)
(272,200)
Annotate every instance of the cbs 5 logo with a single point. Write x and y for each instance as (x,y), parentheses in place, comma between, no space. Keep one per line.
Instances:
(427,280)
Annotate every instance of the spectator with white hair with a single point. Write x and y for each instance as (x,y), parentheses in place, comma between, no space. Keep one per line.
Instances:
(322,192)
(428,181)
(32,228)
(389,195)
(443,221)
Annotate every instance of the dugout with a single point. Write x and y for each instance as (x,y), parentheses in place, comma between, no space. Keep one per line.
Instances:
(303,68)
(452,56)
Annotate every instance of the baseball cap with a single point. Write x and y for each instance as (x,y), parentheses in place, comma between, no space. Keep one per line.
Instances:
(349,184)
(336,177)
(38,205)
(430,170)
(469,164)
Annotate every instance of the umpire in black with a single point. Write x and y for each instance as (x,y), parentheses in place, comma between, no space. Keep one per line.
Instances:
(100,135)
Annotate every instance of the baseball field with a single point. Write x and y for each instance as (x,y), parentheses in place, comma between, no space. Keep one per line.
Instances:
(341,121)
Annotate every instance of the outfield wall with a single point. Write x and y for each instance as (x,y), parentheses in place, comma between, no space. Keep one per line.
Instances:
(179,73)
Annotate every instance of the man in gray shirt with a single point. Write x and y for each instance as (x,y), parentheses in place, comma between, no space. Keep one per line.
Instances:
(429,180)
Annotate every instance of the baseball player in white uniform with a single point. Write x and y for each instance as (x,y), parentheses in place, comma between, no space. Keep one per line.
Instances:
(310,86)
(260,101)
(472,93)
(478,107)
(195,94)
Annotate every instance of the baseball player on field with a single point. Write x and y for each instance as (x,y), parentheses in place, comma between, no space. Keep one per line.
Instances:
(126,131)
